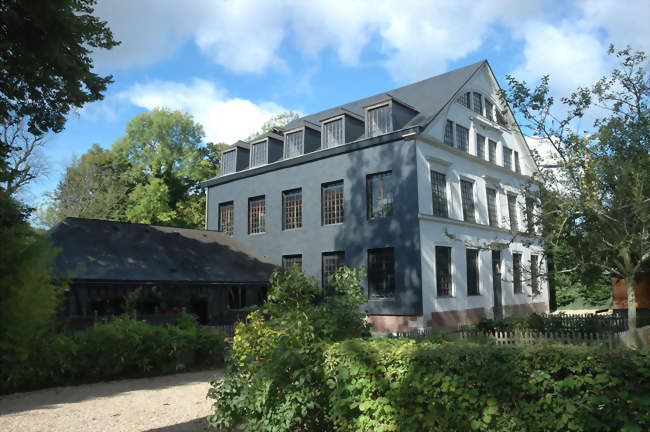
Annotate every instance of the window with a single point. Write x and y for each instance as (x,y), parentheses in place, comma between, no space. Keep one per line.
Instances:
(228,162)
(462,138)
(530,215)
(256,215)
(443,271)
(449,133)
(379,121)
(471,256)
(333,133)
(236,297)
(512,212)
(292,209)
(516,273)
(381,273)
(478,105)
(480,146)
(464,99)
(332,203)
(493,151)
(293,144)
(507,158)
(332,261)
(258,153)
(492,206)
(439,194)
(467,195)
(534,274)
(226,218)
(379,190)
(289,261)
(489,107)
(517,167)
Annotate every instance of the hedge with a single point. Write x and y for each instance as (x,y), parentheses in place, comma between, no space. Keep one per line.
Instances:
(401,385)
(122,348)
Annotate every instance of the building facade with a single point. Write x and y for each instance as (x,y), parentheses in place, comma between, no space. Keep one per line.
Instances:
(421,186)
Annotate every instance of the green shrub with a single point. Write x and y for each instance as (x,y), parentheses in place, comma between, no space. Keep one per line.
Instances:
(122,348)
(544,323)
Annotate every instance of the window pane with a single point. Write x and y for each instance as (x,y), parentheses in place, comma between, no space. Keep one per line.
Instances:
(492,206)
(258,154)
(289,261)
(256,215)
(333,133)
(507,158)
(331,262)
(534,274)
(381,273)
(332,203)
(517,167)
(443,271)
(530,215)
(464,99)
(379,121)
(379,190)
(462,138)
(237,297)
(467,195)
(449,133)
(480,146)
(292,209)
(226,218)
(493,151)
(228,162)
(512,212)
(472,272)
(439,194)
(293,144)
(516,272)
(488,109)
(478,105)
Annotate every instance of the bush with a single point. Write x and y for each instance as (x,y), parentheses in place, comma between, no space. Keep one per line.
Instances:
(122,348)
(544,323)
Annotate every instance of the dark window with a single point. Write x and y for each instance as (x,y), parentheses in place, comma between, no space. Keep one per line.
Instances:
(228,162)
(467,195)
(530,215)
(293,144)
(507,158)
(462,138)
(226,218)
(381,273)
(516,273)
(332,203)
(534,274)
(480,146)
(443,271)
(292,209)
(501,119)
(439,194)
(517,167)
(332,261)
(472,272)
(493,151)
(478,103)
(488,110)
(289,261)
(333,133)
(258,153)
(237,297)
(512,212)
(379,121)
(379,190)
(449,133)
(464,99)
(256,215)
(492,206)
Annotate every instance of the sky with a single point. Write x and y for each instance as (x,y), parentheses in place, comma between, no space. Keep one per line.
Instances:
(234,64)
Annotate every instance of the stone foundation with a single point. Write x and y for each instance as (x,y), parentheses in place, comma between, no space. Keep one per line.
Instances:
(451,319)
(524,309)
(393,323)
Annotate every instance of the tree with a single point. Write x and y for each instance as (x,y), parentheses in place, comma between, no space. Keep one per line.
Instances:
(277,121)
(597,201)
(25,159)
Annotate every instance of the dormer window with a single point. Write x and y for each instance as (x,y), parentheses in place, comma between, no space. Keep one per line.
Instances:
(333,133)
(293,144)
(228,162)
(464,99)
(259,153)
(379,121)
(478,105)
(489,107)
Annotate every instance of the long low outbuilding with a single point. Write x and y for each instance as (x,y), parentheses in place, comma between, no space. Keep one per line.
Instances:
(169,269)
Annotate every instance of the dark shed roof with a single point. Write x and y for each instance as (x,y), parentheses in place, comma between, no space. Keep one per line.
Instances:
(99,250)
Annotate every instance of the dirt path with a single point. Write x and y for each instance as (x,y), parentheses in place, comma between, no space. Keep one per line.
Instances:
(174,403)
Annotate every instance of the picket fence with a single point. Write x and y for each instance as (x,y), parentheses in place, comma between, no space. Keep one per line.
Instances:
(533,338)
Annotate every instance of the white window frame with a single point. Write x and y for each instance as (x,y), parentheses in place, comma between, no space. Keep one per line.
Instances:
(452,272)
(234,167)
(474,197)
(266,159)
(441,166)
(285,148)
(330,120)
(389,104)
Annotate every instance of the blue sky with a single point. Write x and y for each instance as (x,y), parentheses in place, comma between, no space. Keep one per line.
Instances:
(233,64)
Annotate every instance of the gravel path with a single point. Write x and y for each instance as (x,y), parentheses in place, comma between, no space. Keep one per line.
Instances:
(174,403)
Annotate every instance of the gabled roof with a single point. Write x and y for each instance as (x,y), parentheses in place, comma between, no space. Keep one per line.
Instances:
(428,97)
(240,144)
(98,250)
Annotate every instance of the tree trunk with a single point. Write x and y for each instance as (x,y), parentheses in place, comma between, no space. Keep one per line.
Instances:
(631,302)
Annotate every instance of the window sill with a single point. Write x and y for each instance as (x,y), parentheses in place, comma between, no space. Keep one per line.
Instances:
(256,234)
(474,295)
(332,224)
(445,296)
(381,298)
(291,229)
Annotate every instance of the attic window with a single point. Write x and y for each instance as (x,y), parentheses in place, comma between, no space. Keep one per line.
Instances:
(258,153)
(333,133)
(464,99)
(228,162)
(293,144)
(379,121)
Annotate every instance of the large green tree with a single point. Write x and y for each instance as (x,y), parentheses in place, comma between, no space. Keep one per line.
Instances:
(596,204)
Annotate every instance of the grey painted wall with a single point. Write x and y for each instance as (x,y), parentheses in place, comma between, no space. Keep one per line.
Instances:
(275,149)
(354,128)
(243,158)
(356,235)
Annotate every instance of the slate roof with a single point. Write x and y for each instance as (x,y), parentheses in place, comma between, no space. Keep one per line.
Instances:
(92,249)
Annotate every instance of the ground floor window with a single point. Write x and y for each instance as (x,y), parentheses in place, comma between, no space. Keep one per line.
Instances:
(516,273)
(472,272)
(289,261)
(332,261)
(443,271)
(381,273)
(237,297)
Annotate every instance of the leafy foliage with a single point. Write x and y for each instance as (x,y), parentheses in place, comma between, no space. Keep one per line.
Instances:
(277,121)
(544,323)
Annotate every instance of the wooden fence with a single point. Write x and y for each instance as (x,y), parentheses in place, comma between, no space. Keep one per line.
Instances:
(533,338)
(600,323)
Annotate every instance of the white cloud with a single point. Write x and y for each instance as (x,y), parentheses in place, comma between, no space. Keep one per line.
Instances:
(224,119)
